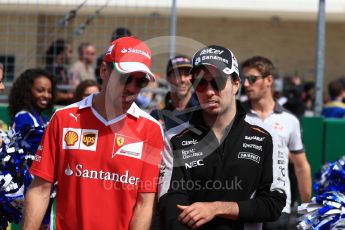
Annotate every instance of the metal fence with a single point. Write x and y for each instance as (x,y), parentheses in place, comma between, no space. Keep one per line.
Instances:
(28,28)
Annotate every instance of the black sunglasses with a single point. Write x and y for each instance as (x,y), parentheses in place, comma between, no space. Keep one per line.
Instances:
(251,79)
(141,82)
(217,83)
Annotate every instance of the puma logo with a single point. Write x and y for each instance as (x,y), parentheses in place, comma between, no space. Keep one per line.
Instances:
(74,116)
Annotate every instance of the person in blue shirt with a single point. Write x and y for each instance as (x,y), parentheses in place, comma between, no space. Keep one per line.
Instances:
(31,95)
(336,107)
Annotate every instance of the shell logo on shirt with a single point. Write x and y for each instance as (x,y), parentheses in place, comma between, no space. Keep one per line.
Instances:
(83,139)
(71,138)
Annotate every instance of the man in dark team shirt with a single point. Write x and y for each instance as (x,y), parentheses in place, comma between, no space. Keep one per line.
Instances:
(218,171)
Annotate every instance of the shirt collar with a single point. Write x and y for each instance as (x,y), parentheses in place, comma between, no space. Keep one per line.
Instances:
(134,110)
(86,102)
(278,108)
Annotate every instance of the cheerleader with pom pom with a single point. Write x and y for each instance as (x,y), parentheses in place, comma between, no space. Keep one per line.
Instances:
(32,94)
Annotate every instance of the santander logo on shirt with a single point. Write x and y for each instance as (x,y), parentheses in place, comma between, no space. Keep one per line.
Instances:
(83,172)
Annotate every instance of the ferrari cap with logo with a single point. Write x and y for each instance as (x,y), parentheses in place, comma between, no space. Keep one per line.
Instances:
(130,55)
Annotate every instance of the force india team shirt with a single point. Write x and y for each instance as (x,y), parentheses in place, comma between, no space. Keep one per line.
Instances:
(100,165)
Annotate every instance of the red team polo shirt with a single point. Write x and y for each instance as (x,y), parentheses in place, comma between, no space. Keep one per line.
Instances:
(100,165)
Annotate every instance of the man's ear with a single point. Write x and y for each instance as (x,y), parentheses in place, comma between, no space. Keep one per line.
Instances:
(236,82)
(270,80)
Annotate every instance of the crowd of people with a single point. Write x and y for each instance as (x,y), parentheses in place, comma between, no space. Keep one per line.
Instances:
(69,75)
(335,108)
(204,160)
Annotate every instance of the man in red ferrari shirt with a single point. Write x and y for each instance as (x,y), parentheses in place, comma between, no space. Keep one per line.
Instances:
(103,151)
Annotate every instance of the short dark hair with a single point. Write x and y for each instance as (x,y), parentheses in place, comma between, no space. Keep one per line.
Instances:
(110,66)
(335,88)
(79,92)
(262,64)
(56,47)
(120,32)
(20,97)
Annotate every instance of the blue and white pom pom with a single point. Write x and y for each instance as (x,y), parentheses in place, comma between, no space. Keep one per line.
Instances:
(16,155)
(326,211)
(331,177)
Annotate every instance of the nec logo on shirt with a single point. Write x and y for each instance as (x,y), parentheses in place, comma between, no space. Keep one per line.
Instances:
(193,164)
(83,139)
